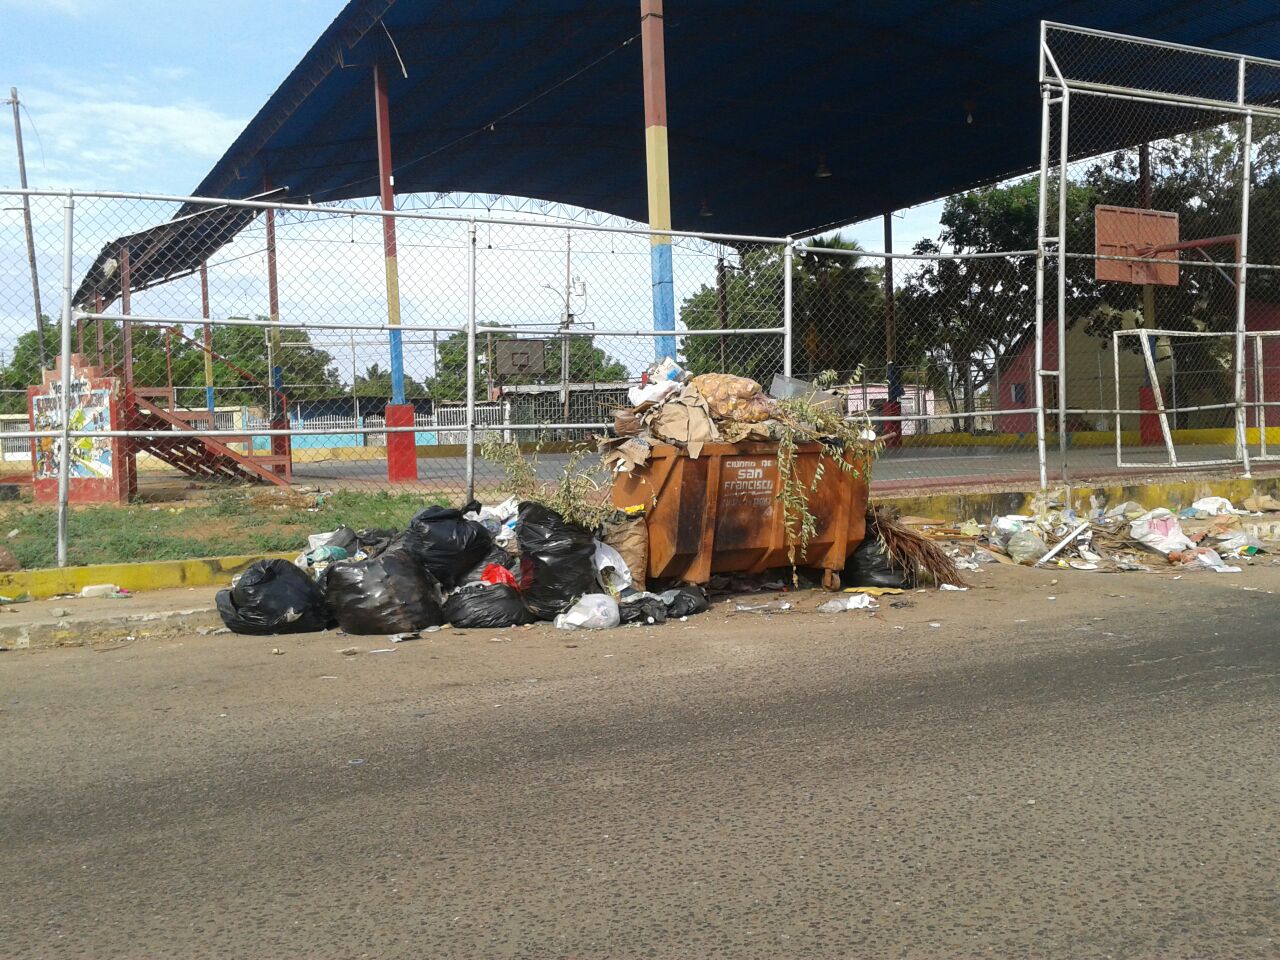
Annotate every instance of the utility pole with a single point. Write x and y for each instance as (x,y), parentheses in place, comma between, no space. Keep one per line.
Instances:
(26,221)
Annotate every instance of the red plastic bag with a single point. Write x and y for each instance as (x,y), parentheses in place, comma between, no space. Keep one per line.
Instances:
(495,573)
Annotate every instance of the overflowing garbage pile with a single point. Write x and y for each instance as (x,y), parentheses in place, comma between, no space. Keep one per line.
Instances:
(513,564)
(671,405)
(1211,534)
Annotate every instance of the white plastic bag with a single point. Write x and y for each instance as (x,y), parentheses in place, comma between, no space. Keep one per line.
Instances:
(1160,531)
(595,611)
(1215,507)
(612,572)
(317,540)
(853,601)
(652,392)
(1210,560)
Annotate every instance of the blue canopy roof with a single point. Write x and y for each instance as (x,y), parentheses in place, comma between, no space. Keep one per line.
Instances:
(903,100)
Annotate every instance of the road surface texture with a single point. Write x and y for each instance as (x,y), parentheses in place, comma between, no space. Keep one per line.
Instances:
(1079,769)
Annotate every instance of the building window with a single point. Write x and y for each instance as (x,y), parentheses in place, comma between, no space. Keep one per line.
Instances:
(1019,393)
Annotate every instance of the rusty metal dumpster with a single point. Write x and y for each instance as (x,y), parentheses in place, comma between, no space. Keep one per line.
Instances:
(721,513)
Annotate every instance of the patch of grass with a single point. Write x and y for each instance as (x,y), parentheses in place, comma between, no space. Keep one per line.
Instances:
(381,509)
(230,523)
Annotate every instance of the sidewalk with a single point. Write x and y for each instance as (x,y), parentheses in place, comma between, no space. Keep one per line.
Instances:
(75,622)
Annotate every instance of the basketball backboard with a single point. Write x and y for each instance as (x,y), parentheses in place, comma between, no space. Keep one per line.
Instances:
(519,357)
(1133,232)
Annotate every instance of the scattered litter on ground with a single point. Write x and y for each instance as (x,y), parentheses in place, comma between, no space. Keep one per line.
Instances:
(856,601)
(595,611)
(773,606)
(107,590)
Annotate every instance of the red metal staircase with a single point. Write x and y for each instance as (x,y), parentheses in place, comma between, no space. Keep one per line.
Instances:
(210,458)
(155,410)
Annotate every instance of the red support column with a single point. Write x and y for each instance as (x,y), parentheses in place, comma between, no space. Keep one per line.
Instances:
(402,454)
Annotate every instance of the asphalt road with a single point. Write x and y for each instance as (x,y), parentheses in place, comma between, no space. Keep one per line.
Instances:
(1078,769)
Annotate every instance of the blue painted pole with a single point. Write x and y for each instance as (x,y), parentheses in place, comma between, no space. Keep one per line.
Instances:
(653,57)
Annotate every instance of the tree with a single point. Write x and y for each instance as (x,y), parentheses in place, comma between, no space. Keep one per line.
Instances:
(587,364)
(307,371)
(959,317)
(159,354)
(21,371)
(376,382)
(837,315)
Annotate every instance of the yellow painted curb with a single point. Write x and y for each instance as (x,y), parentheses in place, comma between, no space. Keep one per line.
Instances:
(161,575)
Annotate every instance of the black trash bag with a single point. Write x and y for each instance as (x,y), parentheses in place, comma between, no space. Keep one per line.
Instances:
(373,540)
(446,544)
(391,593)
(273,596)
(496,555)
(558,556)
(642,609)
(685,601)
(870,567)
(491,606)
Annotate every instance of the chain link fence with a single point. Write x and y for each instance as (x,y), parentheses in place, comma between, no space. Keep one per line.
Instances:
(1161,196)
(1121,310)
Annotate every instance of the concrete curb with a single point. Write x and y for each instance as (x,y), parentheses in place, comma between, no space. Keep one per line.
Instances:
(134,577)
(92,631)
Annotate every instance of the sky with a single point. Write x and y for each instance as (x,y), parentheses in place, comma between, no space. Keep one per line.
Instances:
(143,94)
(146,95)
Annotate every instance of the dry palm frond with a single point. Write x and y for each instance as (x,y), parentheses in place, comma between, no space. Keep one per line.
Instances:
(908,550)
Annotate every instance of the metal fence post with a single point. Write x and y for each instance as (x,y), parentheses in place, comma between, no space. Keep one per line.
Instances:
(788,262)
(471,360)
(1063,188)
(64,357)
(1045,119)
(1242,436)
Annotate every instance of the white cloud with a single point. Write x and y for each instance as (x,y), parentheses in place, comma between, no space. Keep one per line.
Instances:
(97,138)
